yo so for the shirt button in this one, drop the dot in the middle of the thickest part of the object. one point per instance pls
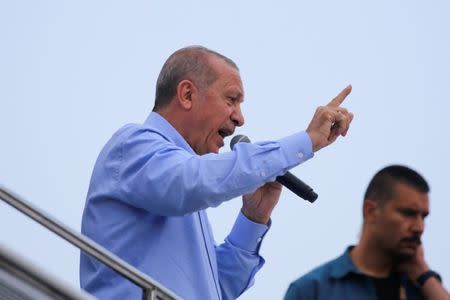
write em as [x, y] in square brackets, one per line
[259, 240]
[263, 173]
[300, 155]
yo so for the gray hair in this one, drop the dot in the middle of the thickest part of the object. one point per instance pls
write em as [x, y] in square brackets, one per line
[189, 63]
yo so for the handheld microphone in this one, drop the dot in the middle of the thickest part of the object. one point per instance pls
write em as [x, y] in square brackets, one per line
[289, 180]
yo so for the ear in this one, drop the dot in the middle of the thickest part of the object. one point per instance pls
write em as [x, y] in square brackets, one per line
[185, 92]
[370, 210]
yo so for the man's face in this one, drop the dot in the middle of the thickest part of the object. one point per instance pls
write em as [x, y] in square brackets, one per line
[218, 109]
[399, 223]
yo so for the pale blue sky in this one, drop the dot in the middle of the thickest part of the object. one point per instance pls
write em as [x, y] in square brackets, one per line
[72, 72]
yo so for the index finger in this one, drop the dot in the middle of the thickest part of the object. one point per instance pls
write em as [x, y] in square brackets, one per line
[340, 97]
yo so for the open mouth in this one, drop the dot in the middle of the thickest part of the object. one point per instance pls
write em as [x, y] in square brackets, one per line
[224, 132]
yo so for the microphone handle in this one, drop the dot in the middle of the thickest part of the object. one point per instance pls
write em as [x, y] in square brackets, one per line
[297, 186]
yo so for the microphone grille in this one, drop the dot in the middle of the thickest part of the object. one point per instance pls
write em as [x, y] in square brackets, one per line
[240, 138]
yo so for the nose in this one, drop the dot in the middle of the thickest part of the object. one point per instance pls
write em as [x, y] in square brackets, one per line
[236, 116]
[419, 225]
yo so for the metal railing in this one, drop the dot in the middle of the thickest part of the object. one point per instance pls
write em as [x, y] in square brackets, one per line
[151, 289]
[22, 280]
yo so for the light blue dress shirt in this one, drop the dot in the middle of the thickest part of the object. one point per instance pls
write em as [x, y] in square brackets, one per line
[146, 203]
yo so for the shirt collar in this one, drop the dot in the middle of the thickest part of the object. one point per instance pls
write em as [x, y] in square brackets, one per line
[344, 265]
[159, 124]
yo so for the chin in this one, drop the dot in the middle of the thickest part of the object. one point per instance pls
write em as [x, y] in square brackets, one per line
[405, 254]
[214, 148]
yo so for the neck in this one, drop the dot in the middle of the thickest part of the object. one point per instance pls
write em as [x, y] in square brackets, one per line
[370, 260]
[178, 120]
[175, 119]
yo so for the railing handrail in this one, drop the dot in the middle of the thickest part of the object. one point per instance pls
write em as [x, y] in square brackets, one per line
[151, 288]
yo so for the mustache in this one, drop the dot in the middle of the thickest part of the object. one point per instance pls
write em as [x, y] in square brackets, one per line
[414, 239]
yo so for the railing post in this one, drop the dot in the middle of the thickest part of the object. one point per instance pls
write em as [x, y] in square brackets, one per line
[151, 288]
[148, 294]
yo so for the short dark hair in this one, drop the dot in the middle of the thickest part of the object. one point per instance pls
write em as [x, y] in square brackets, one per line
[381, 187]
[190, 63]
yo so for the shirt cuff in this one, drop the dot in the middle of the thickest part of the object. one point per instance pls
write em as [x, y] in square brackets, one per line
[246, 234]
[297, 147]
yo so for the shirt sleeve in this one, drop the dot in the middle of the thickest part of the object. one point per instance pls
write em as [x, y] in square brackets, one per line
[152, 173]
[238, 257]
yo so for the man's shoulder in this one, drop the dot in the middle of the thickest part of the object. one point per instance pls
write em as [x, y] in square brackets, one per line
[318, 274]
[313, 283]
[129, 137]
[132, 131]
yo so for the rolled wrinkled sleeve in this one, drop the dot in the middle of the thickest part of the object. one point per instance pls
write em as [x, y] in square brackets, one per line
[238, 257]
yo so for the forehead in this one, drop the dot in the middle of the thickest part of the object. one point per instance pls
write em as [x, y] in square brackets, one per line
[227, 75]
[408, 197]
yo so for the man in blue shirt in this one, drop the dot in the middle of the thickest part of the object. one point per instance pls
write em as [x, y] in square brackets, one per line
[152, 183]
[388, 262]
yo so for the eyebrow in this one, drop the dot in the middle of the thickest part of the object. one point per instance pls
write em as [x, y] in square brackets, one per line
[414, 210]
[236, 92]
